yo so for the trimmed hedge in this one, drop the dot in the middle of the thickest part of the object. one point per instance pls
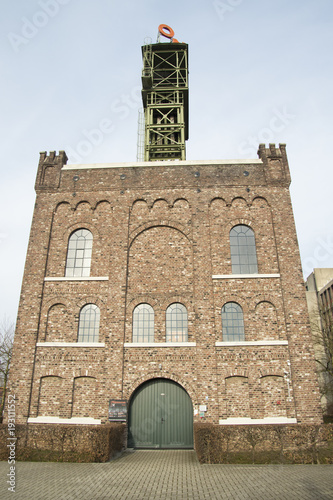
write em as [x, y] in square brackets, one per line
[264, 444]
[64, 443]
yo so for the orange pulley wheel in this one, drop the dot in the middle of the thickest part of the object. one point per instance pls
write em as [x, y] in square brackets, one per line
[169, 34]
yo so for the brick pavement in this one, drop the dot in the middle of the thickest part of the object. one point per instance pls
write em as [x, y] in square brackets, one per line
[171, 474]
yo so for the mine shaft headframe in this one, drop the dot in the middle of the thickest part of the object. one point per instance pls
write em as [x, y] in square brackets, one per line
[165, 97]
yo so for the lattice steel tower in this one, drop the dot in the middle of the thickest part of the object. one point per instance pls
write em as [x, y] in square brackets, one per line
[165, 98]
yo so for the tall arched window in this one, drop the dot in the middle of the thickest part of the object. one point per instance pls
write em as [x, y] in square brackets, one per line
[176, 323]
[232, 322]
[243, 250]
[89, 323]
[79, 253]
[143, 323]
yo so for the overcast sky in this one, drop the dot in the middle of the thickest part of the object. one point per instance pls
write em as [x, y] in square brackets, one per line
[260, 71]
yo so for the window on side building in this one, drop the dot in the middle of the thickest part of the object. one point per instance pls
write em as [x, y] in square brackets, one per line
[143, 323]
[89, 323]
[232, 323]
[243, 250]
[79, 251]
[176, 323]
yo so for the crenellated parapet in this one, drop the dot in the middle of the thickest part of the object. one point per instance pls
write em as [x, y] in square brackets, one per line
[276, 163]
[49, 169]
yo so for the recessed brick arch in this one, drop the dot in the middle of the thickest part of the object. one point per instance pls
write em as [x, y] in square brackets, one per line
[80, 225]
[270, 372]
[140, 208]
[157, 256]
[144, 299]
[218, 201]
[84, 394]
[161, 203]
[90, 372]
[258, 201]
[92, 299]
[234, 298]
[63, 207]
[102, 202]
[46, 307]
[160, 374]
[235, 372]
[50, 395]
[239, 201]
[83, 204]
[58, 323]
[237, 394]
[244, 222]
[176, 299]
[183, 201]
[159, 223]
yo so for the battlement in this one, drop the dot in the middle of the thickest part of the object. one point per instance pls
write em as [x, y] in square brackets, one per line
[276, 162]
[49, 169]
[272, 151]
[53, 157]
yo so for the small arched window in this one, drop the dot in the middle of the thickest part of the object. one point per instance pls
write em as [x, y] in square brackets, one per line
[143, 323]
[79, 253]
[89, 323]
[243, 250]
[232, 322]
[176, 323]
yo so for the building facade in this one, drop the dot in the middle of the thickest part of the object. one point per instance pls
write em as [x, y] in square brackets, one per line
[171, 287]
[114, 247]
[319, 295]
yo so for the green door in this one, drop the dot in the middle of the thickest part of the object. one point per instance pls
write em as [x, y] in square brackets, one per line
[160, 416]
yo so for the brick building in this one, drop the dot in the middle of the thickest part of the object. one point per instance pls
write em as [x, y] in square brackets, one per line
[174, 286]
[319, 295]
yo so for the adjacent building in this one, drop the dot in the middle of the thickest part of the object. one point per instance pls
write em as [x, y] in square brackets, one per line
[319, 296]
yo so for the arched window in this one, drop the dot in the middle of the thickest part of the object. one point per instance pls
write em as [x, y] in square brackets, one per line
[79, 253]
[232, 322]
[243, 250]
[176, 323]
[89, 323]
[143, 323]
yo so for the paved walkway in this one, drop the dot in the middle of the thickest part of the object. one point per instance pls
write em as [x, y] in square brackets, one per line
[162, 475]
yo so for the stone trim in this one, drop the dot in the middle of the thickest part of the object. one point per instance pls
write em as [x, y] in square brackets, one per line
[160, 344]
[243, 276]
[251, 342]
[58, 420]
[170, 163]
[70, 344]
[77, 278]
[257, 421]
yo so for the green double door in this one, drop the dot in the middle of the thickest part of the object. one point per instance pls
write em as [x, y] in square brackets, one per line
[160, 416]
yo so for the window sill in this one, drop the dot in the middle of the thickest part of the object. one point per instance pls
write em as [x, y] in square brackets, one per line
[70, 344]
[160, 344]
[251, 342]
[243, 276]
[77, 278]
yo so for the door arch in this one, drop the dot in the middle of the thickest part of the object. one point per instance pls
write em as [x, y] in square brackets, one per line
[160, 416]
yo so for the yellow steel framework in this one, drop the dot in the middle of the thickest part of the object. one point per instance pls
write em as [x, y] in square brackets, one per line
[165, 100]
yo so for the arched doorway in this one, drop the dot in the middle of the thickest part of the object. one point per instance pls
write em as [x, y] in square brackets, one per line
[160, 416]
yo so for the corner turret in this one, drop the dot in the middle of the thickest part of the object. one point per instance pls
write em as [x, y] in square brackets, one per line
[276, 163]
[49, 168]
